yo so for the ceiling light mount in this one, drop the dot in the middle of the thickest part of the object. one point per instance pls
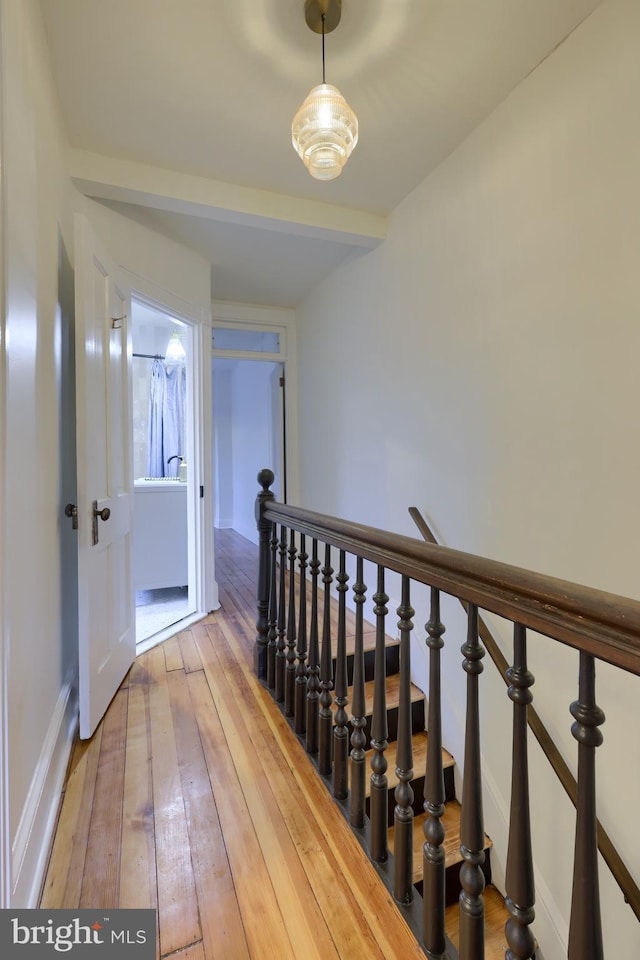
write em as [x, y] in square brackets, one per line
[315, 10]
[324, 131]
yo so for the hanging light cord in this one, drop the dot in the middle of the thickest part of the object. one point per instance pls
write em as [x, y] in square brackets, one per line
[323, 17]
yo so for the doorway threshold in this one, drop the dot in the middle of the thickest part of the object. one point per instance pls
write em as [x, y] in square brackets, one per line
[168, 632]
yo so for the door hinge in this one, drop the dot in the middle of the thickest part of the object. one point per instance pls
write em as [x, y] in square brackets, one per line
[201, 491]
[282, 381]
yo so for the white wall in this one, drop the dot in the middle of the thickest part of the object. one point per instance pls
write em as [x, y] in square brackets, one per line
[40, 664]
[41, 646]
[159, 264]
[482, 364]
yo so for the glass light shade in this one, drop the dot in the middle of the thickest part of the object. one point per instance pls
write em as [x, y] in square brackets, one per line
[324, 132]
[175, 351]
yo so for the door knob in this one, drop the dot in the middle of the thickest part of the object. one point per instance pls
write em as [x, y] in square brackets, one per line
[71, 511]
[103, 514]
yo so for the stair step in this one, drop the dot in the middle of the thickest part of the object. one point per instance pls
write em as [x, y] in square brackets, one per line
[392, 644]
[392, 653]
[451, 823]
[393, 695]
[419, 741]
[495, 917]
[496, 914]
[393, 700]
[368, 639]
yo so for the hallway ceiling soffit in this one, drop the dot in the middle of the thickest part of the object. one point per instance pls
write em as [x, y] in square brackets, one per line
[198, 96]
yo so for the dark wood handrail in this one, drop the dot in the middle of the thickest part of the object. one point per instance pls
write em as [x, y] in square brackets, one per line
[594, 621]
[612, 858]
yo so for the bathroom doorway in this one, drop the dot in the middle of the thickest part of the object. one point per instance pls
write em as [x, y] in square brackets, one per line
[163, 557]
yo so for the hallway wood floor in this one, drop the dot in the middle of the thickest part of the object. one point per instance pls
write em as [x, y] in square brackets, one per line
[194, 797]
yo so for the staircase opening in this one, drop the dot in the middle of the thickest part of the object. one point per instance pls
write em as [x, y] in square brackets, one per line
[345, 686]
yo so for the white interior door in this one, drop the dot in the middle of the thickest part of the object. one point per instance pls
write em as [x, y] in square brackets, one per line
[106, 610]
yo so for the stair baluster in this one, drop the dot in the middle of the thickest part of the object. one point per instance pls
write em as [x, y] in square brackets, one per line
[358, 719]
[273, 611]
[341, 719]
[325, 719]
[290, 666]
[403, 812]
[301, 668]
[313, 681]
[282, 622]
[519, 881]
[472, 820]
[379, 731]
[265, 496]
[433, 855]
[585, 926]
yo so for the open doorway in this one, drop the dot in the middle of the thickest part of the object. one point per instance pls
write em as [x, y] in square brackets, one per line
[163, 542]
[248, 434]
[253, 411]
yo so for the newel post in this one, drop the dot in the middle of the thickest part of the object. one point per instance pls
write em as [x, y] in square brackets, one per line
[265, 496]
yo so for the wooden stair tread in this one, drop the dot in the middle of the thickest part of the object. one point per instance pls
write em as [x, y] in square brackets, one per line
[368, 629]
[368, 641]
[392, 695]
[451, 823]
[419, 742]
[495, 917]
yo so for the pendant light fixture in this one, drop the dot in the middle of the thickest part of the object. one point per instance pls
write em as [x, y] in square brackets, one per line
[175, 352]
[324, 131]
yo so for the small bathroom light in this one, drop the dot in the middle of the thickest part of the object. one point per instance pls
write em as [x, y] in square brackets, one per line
[175, 351]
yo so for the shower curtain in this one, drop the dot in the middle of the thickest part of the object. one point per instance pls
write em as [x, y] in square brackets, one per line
[166, 418]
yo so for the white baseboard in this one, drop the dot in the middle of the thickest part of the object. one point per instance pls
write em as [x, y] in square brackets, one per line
[33, 838]
[220, 524]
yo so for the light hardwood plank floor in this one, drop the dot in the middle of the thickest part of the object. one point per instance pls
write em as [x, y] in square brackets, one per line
[194, 797]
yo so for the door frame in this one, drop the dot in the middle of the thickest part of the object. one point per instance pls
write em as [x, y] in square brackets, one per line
[267, 320]
[5, 832]
[200, 467]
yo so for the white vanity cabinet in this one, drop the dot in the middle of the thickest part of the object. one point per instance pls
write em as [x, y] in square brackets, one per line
[160, 534]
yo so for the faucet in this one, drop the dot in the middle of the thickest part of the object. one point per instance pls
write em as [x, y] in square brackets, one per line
[182, 467]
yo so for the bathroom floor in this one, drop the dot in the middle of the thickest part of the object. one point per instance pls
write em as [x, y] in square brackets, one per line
[158, 609]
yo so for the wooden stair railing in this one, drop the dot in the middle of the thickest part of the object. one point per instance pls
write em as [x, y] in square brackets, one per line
[599, 625]
[612, 858]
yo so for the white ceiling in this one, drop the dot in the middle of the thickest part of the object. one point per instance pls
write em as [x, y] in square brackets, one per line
[179, 111]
